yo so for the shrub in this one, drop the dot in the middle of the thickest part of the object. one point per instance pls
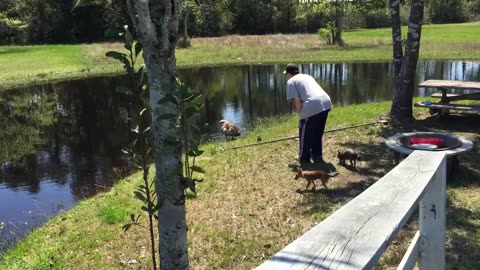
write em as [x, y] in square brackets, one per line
[10, 28]
[184, 42]
[378, 18]
[324, 34]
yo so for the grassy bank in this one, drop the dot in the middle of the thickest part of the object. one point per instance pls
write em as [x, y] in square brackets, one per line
[20, 65]
[248, 206]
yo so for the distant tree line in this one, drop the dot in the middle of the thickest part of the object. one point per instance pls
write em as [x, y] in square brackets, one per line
[53, 21]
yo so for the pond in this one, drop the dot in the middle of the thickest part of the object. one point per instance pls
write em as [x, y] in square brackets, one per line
[61, 142]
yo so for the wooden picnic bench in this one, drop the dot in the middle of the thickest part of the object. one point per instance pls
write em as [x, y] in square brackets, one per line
[445, 98]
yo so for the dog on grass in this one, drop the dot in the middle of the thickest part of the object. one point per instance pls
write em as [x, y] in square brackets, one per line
[348, 154]
[311, 176]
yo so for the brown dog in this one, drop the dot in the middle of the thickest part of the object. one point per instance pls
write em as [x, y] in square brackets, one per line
[311, 176]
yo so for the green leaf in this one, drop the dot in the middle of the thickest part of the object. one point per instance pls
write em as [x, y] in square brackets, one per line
[128, 40]
[172, 140]
[142, 111]
[197, 129]
[138, 48]
[193, 96]
[139, 195]
[168, 98]
[151, 206]
[132, 145]
[146, 130]
[167, 116]
[141, 71]
[152, 185]
[132, 217]
[127, 226]
[121, 57]
[142, 188]
[155, 208]
[176, 171]
[195, 153]
[136, 129]
[191, 184]
[197, 169]
[123, 90]
[191, 110]
[144, 208]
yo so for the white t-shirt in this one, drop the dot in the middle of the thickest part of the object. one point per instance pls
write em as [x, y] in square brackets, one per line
[314, 98]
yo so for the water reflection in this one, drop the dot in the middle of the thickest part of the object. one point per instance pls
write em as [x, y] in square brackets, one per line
[61, 142]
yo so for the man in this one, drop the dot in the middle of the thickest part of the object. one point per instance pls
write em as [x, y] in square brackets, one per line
[313, 105]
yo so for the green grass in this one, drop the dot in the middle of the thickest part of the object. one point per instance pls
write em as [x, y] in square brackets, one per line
[468, 32]
[21, 65]
[248, 208]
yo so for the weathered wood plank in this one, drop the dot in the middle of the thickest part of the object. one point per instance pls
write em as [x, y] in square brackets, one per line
[450, 84]
[432, 222]
[439, 95]
[456, 97]
[458, 107]
[355, 236]
[411, 256]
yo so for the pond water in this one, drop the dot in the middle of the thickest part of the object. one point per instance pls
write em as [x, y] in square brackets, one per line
[61, 142]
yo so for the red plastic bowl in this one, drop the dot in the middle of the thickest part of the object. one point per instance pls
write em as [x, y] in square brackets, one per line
[436, 141]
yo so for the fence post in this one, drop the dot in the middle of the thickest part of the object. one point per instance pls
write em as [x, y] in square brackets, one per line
[432, 221]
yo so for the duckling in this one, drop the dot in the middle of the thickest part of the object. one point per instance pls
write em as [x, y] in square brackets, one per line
[229, 129]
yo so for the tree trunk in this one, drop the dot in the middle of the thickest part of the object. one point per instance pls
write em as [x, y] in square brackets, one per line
[156, 25]
[405, 67]
[338, 23]
[396, 37]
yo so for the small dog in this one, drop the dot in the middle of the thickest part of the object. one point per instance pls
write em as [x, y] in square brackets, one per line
[349, 154]
[311, 176]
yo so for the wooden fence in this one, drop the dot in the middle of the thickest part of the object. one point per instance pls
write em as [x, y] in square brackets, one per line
[357, 235]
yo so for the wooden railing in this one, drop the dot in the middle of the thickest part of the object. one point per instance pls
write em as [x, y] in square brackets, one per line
[357, 235]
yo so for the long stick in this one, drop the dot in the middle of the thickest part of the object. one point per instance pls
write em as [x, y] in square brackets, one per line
[295, 137]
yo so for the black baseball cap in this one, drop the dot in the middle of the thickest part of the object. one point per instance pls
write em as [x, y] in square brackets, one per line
[292, 69]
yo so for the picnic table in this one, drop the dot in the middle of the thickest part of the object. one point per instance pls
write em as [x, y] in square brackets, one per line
[444, 104]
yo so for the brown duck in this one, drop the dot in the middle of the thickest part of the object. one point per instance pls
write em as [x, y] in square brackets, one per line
[229, 129]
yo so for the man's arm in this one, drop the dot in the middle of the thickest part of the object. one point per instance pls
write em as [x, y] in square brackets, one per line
[298, 104]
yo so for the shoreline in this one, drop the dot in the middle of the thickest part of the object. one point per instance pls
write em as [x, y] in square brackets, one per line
[30, 65]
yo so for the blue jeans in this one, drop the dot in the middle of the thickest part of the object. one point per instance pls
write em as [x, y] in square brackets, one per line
[311, 133]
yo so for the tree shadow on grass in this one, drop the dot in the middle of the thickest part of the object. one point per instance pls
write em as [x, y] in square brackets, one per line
[376, 159]
[323, 199]
[14, 50]
[463, 123]
[466, 123]
[463, 239]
